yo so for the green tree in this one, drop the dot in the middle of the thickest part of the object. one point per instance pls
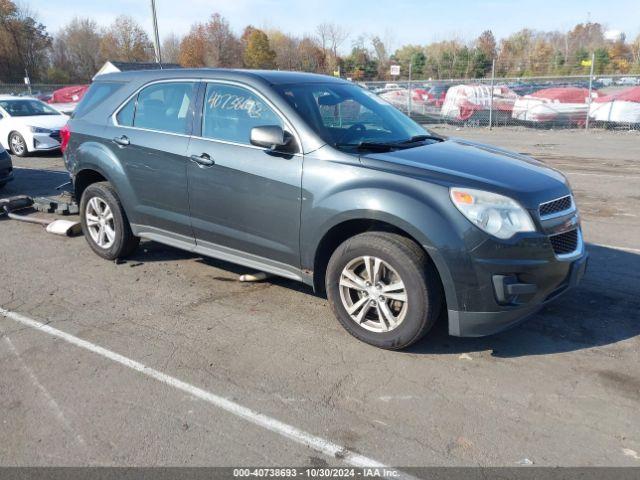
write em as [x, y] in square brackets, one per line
[410, 54]
[359, 65]
[602, 60]
[258, 53]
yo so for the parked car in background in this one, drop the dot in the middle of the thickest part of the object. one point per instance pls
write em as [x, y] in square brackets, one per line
[605, 81]
[6, 167]
[436, 94]
[560, 106]
[628, 81]
[66, 99]
[28, 125]
[315, 179]
[464, 103]
[619, 108]
[400, 98]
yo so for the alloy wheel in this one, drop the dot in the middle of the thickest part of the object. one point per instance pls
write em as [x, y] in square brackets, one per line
[373, 294]
[17, 145]
[100, 222]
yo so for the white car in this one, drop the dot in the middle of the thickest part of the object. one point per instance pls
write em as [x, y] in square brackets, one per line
[28, 125]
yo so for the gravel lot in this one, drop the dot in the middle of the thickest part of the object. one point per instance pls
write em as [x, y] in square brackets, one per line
[561, 389]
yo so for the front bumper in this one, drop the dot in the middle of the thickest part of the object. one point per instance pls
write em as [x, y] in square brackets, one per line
[551, 281]
[46, 141]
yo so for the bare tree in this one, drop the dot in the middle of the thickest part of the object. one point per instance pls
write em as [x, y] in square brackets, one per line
[126, 41]
[76, 49]
[286, 48]
[223, 47]
[331, 36]
[171, 48]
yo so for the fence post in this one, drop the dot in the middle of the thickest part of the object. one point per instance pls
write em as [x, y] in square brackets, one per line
[593, 61]
[493, 77]
[27, 81]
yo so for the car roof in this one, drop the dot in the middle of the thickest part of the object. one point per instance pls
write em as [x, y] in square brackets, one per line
[273, 77]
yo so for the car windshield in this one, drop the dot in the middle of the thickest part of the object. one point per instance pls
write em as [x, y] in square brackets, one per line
[350, 117]
[27, 108]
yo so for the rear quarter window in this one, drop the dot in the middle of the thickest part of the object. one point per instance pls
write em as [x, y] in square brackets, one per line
[97, 93]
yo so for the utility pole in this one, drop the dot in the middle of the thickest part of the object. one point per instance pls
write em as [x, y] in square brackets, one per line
[410, 89]
[593, 61]
[493, 77]
[156, 36]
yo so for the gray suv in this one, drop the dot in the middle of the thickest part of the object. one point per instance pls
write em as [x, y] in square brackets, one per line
[316, 179]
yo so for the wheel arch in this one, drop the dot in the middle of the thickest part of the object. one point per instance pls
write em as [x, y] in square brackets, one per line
[346, 229]
[86, 177]
[92, 162]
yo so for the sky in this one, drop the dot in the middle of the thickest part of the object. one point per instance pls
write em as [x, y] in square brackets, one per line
[398, 21]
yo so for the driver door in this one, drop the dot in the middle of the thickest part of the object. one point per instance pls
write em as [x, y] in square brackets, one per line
[244, 200]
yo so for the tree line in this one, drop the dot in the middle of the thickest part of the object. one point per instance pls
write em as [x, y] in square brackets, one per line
[77, 50]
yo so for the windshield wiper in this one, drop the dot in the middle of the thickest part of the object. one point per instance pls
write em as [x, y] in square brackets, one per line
[386, 146]
[420, 138]
[371, 145]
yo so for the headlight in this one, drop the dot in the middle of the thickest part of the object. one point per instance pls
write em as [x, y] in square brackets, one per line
[40, 130]
[497, 215]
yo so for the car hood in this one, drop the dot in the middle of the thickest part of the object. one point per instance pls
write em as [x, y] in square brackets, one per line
[54, 122]
[457, 162]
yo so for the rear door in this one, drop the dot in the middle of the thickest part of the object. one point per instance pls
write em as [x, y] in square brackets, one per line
[150, 137]
[248, 198]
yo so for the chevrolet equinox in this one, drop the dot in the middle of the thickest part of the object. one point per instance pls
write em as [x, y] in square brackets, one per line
[316, 179]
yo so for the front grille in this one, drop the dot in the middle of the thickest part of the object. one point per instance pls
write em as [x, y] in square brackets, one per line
[565, 243]
[555, 206]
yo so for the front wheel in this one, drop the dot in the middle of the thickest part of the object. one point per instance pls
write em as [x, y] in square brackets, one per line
[17, 145]
[383, 289]
[104, 222]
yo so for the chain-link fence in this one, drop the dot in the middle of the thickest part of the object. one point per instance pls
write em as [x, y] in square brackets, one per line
[611, 101]
[544, 102]
[38, 90]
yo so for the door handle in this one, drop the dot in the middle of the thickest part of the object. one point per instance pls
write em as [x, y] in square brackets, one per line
[203, 160]
[123, 140]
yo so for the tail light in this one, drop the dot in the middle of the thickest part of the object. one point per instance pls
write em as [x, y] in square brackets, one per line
[65, 136]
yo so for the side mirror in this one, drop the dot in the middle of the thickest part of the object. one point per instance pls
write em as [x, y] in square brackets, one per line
[269, 136]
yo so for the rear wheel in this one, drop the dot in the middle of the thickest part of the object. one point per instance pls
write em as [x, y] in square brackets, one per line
[17, 145]
[383, 289]
[104, 222]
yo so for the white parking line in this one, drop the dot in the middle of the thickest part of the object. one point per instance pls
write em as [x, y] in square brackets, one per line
[594, 174]
[319, 444]
[614, 247]
[55, 408]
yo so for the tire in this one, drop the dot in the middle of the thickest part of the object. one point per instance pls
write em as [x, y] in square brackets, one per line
[401, 259]
[17, 145]
[121, 243]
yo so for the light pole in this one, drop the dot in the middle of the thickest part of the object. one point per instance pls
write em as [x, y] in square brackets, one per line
[156, 36]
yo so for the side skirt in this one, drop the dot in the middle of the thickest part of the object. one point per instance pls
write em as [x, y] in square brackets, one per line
[219, 252]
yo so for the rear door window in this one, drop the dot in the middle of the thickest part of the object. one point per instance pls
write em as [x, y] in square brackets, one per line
[164, 107]
[126, 113]
[230, 112]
